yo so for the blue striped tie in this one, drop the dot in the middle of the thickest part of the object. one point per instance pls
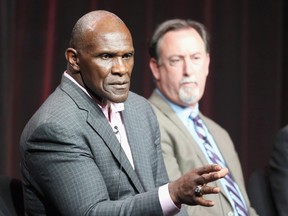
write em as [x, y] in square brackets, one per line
[229, 182]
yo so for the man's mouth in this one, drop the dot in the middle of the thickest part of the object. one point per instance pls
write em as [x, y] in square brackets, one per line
[120, 85]
[189, 84]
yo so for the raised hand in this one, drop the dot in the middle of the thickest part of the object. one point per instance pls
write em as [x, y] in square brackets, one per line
[190, 188]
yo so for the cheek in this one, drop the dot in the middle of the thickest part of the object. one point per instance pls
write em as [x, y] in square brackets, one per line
[174, 81]
[202, 73]
[130, 65]
[202, 82]
[92, 83]
[99, 73]
[171, 77]
[94, 79]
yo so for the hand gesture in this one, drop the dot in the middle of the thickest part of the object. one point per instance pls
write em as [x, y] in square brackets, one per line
[190, 188]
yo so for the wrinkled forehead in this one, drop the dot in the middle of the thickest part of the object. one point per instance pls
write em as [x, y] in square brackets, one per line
[102, 38]
[112, 41]
[98, 25]
[187, 39]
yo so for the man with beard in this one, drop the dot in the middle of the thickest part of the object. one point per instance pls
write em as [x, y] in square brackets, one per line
[179, 61]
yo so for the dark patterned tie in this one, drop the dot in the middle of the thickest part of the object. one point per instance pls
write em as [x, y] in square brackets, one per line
[229, 182]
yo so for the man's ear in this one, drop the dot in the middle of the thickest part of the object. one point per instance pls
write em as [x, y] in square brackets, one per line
[72, 58]
[154, 68]
[207, 64]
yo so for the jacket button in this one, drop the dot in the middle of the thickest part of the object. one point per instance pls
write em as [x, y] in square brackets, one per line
[230, 213]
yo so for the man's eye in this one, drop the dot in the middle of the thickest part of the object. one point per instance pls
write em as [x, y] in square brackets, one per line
[106, 56]
[174, 61]
[128, 55]
[197, 59]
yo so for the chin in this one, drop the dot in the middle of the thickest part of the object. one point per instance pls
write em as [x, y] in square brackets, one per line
[119, 98]
[189, 100]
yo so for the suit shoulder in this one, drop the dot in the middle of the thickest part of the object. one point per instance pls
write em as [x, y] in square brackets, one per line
[283, 132]
[212, 124]
[137, 100]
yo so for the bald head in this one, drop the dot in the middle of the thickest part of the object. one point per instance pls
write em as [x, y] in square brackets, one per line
[95, 22]
[101, 56]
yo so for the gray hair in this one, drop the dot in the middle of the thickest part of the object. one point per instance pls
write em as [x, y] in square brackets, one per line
[175, 25]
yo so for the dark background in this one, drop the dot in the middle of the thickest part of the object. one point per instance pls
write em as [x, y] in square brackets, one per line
[247, 89]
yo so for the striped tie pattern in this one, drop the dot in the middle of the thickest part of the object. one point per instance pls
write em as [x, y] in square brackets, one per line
[230, 184]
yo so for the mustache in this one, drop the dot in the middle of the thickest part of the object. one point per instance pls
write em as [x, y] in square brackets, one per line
[188, 80]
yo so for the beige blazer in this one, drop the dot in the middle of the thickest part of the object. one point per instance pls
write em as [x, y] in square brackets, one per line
[181, 154]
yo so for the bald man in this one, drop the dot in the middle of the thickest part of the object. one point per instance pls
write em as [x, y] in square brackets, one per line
[84, 152]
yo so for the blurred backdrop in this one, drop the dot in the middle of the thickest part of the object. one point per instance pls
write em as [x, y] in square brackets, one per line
[247, 89]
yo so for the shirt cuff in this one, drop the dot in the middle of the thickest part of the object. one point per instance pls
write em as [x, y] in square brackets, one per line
[167, 204]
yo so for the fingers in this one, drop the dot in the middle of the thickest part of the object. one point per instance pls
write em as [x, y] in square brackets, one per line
[201, 191]
[213, 176]
[223, 172]
[183, 189]
[203, 202]
[208, 169]
[209, 173]
[209, 190]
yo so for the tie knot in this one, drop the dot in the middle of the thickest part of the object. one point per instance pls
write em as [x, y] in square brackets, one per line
[195, 118]
[197, 123]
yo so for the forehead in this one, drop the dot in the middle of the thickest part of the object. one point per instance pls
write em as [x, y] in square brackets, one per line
[109, 39]
[182, 40]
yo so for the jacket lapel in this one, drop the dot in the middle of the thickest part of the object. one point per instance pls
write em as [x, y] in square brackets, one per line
[106, 132]
[137, 145]
[223, 150]
[158, 101]
[170, 114]
[97, 120]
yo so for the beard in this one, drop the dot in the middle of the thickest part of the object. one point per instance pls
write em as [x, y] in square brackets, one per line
[189, 95]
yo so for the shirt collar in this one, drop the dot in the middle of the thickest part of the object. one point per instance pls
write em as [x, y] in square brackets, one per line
[185, 112]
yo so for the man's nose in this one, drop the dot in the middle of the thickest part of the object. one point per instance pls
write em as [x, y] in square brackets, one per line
[119, 66]
[188, 67]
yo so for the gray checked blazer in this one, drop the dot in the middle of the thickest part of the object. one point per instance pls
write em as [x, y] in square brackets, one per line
[73, 164]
